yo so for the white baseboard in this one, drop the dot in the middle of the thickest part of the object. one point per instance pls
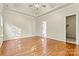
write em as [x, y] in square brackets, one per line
[71, 42]
[18, 37]
[40, 36]
[56, 38]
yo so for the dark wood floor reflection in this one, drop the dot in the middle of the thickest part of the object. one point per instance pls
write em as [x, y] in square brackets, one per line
[33, 46]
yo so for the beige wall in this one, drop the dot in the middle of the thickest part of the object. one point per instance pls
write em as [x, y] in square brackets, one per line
[71, 29]
[56, 22]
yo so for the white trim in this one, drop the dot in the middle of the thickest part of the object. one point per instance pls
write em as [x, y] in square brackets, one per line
[76, 26]
[52, 10]
[54, 38]
[20, 12]
[19, 37]
[1, 40]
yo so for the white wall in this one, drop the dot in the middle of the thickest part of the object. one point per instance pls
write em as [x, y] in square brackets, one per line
[1, 9]
[1, 30]
[56, 22]
[53, 24]
[18, 26]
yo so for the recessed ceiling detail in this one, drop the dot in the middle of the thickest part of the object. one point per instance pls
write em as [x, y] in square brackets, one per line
[34, 9]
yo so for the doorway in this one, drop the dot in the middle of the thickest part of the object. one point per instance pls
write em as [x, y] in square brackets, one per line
[71, 29]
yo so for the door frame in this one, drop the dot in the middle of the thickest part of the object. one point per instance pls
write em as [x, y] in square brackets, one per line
[76, 26]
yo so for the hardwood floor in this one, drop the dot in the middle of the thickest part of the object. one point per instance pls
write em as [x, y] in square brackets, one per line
[32, 46]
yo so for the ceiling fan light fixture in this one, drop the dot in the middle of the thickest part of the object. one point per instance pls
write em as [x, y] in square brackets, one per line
[36, 5]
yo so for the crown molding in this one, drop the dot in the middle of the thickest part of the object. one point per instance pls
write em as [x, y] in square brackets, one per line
[20, 12]
[52, 10]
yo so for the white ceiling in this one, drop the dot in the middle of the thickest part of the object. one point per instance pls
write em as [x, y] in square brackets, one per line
[24, 8]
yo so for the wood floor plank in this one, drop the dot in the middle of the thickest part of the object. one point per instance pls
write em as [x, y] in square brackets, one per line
[33, 46]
